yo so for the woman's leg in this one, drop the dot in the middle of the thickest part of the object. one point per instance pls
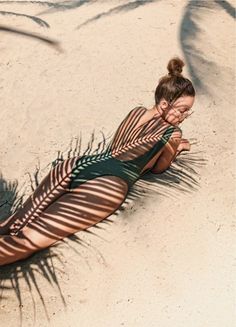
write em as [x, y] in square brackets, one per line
[51, 187]
[73, 211]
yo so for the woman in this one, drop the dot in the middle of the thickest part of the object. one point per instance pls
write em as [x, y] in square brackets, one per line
[81, 191]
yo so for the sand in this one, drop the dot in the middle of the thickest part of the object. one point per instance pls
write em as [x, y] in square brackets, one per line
[167, 259]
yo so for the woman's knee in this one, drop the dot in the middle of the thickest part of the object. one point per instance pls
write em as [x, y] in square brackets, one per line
[14, 248]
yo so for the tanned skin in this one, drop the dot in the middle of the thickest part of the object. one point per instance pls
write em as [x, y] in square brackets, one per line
[55, 211]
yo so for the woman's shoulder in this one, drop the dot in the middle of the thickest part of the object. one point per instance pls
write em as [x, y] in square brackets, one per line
[137, 110]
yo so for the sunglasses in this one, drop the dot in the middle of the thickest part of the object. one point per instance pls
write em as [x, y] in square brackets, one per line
[183, 113]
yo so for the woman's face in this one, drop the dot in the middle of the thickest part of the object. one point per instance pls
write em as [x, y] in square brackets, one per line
[176, 112]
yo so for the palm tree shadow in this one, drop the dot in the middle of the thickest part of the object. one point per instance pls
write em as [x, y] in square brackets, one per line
[53, 7]
[181, 177]
[203, 71]
[227, 7]
[43, 263]
[10, 200]
[69, 5]
[50, 42]
[35, 19]
[116, 10]
[11, 278]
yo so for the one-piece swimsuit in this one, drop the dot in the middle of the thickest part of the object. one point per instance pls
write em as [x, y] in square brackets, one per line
[126, 157]
[129, 151]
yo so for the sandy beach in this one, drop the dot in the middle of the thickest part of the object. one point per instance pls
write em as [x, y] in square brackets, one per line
[167, 257]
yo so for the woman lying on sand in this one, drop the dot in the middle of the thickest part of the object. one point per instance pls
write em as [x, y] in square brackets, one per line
[81, 191]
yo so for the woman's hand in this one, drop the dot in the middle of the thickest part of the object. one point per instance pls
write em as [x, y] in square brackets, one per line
[183, 146]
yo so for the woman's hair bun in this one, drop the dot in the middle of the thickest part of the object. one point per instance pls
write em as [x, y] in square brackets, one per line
[175, 66]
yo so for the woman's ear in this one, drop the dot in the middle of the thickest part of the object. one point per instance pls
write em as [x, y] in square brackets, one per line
[163, 104]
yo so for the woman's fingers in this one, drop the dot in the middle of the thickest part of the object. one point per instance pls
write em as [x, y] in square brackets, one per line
[193, 141]
[184, 145]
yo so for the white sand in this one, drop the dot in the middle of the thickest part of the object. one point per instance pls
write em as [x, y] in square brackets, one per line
[165, 261]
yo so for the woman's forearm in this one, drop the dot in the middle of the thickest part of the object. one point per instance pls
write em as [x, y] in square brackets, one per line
[168, 155]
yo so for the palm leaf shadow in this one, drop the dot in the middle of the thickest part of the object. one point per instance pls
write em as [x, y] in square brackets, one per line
[24, 2]
[35, 19]
[31, 35]
[181, 177]
[204, 72]
[45, 262]
[227, 7]
[53, 6]
[10, 198]
[42, 263]
[116, 10]
[70, 5]
[65, 5]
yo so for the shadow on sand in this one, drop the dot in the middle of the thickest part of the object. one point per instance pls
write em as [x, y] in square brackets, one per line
[53, 43]
[193, 39]
[181, 177]
[190, 31]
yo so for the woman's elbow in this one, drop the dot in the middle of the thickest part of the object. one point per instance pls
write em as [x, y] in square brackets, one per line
[160, 168]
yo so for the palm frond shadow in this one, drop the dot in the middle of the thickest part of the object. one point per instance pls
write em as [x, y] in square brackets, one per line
[181, 177]
[116, 10]
[10, 198]
[65, 5]
[227, 7]
[35, 19]
[42, 263]
[31, 35]
[191, 34]
[52, 7]
[25, 2]
[70, 5]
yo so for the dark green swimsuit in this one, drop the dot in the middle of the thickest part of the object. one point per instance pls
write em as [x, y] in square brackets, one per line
[128, 153]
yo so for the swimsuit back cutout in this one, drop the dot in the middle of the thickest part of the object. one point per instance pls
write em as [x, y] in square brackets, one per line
[129, 151]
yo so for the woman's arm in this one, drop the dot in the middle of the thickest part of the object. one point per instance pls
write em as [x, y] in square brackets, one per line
[171, 150]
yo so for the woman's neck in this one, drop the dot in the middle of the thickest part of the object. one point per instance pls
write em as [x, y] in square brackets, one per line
[156, 111]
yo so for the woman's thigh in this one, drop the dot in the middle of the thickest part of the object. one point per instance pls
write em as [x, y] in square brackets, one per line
[76, 210]
[54, 184]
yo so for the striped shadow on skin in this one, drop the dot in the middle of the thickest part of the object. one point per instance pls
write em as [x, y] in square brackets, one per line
[14, 277]
[181, 177]
[46, 262]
